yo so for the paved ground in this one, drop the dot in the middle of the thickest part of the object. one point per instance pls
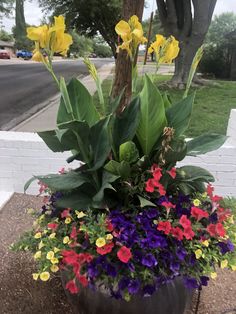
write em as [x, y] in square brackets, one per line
[19, 294]
[25, 84]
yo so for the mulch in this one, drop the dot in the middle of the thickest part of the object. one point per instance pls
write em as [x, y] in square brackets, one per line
[20, 294]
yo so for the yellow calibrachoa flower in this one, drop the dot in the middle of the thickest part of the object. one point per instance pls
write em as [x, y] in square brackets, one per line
[35, 276]
[66, 240]
[205, 243]
[198, 253]
[37, 255]
[50, 255]
[224, 264]
[38, 235]
[52, 235]
[44, 276]
[233, 267]
[170, 50]
[213, 275]
[131, 33]
[54, 268]
[109, 236]
[80, 214]
[204, 194]
[196, 202]
[100, 242]
[68, 220]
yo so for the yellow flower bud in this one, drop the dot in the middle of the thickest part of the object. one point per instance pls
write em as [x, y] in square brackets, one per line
[198, 253]
[54, 260]
[41, 244]
[37, 255]
[50, 255]
[35, 276]
[56, 250]
[66, 240]
[80, 214]
[68, 220]
[54, 268]
[52, 235]
[100, 242]
[38, 235]
[224, 264]
[233, 267]
[204, 194]
[44, 276]
[213, 275]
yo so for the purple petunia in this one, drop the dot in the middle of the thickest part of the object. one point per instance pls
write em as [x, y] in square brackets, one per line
[134, 286]
[149, 260]
[226, 247]
[191, 283]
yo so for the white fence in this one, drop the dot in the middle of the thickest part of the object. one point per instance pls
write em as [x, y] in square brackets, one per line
[25, 154]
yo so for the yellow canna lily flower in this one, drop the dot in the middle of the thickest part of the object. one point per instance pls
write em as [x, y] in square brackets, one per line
[170, 50]
[157, 45]
[131, 33]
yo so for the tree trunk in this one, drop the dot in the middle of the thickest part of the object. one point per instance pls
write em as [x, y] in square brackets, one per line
[189, 22]
[123, 75]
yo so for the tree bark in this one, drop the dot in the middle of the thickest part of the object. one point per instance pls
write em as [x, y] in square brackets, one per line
[123, 75]
[188, 21]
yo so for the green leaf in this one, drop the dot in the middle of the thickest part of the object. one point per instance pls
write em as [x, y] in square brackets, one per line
[177, 151]
[114, 103]
[65, 97]
[166, 100]
[28, 183]
[178, 116]
[81, 102]
[128, 152]
[120, 169]
[106, 180]
[205, 143]
[62, 182]
[152, 118]
[144, 202]
[75, 201]
[192, 173]
[100, 143]
[59, 140]
[125, 125]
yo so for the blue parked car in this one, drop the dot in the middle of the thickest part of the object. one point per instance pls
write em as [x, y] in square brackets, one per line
[24, 54]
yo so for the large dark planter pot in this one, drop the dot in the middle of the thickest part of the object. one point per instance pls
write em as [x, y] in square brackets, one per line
[172, 298]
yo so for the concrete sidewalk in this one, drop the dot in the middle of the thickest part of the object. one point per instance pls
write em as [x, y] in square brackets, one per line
[45, 119]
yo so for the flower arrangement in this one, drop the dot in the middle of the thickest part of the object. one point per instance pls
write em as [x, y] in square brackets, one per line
[128, 219]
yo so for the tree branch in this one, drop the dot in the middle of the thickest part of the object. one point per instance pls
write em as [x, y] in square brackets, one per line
[162, 11]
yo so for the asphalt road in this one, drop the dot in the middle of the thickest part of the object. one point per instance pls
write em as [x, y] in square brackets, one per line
[25, 85]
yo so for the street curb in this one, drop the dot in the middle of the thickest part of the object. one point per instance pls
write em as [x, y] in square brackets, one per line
[4, 198]
[37, 110]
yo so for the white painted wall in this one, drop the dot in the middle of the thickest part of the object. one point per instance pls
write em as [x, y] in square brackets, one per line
[25, 154]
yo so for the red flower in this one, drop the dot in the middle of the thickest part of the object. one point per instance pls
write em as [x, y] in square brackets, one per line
[88, 257]
[71, 286]
[198, 213]
[150, 186]
[177, 233]
[185, 222]
[161, 189]
[172, 173]
[157, 174]
[188, 233]
[154, 167]
[62, 170]
[73, 234]
[164, 226]
[124, 254]
[211, 229]
[220, 230]
[76, 269]
[216, 198]
[210, 190]
[223, 214]
[70, 257]
[52, 226]
[167, 205]
[109, 226]
[105, 249]
[65, 213]
[83, 280]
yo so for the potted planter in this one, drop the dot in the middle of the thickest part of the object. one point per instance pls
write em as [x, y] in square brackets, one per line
[129, 230]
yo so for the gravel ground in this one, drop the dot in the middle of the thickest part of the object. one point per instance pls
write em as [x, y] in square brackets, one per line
[20, 294]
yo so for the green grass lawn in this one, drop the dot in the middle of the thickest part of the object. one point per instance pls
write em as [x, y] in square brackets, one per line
[212, 104]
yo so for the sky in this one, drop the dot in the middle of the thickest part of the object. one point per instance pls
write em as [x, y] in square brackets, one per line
[33, 14]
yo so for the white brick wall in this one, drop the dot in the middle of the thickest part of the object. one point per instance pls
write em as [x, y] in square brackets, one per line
[25, 154]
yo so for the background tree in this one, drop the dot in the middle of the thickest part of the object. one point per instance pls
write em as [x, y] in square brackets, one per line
[156, 26]
[188, 21]
[20, 26]
[6, 7]
[123, 77]
[5, 36]
[89, 17]
[218, 48]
